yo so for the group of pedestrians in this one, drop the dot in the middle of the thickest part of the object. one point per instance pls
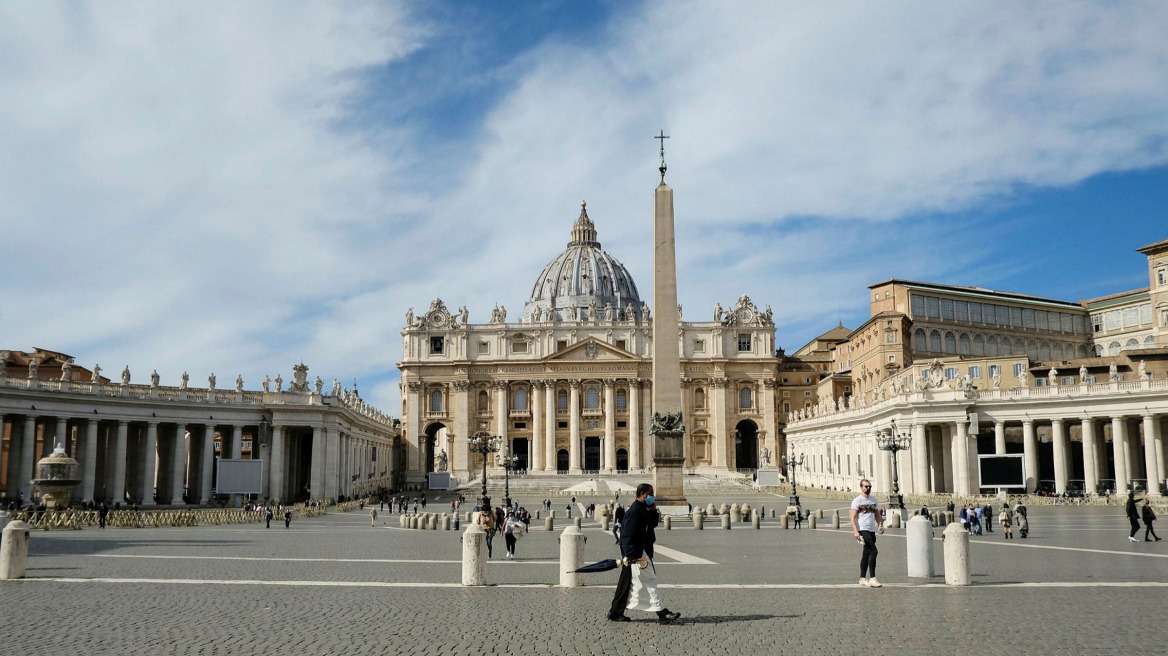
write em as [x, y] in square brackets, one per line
[512, 524]
[1145, 513]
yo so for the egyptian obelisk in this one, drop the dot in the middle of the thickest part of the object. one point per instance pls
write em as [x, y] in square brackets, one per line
[667, 429]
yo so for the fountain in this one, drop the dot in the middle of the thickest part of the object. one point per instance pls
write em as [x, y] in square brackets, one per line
[57, 478]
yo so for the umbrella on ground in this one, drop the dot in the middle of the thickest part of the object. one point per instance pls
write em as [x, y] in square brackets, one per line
[610, 564]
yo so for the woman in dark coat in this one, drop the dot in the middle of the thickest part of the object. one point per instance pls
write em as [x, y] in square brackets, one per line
[1149, 519]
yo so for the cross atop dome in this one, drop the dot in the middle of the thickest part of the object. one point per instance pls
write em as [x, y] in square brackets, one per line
[583, 231]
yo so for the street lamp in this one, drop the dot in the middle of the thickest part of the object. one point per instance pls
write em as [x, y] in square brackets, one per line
[792, 465]
[484, 444]
[509, 461]
[894, 442]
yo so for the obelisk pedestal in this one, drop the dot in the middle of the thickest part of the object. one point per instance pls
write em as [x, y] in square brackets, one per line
[667, 429]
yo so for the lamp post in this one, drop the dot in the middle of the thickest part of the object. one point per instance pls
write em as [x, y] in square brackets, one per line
[894, 442]
[484, 444]
[792, 465]
[508, 462]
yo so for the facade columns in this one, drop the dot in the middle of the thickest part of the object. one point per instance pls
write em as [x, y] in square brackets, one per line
[208, 463]
[536, 460]
[332, 463]
[318, 456]
[609, 427]
[61, 436]
[719, 433]
[237, 442]
[1151, 460]
[1119, 453]
[149, 460]
[999, 437]
[635, 438]
[89, 461]
[574, 427]
[920, 459]
[1058, 437]
[1090, 461]
[28, 457]
[961, 458]
[1030, 454]
[501, 414]
[549, 436]
[179, 470]
[266, 456]
[118, 490]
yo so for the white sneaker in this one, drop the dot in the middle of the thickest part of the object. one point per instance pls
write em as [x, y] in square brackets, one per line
[863, 583]
[873, 583]
[1132, 539]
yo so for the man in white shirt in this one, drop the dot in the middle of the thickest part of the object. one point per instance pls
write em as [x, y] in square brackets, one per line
[867, 520]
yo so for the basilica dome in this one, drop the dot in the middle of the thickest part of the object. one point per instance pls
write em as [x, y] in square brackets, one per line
[583, 282]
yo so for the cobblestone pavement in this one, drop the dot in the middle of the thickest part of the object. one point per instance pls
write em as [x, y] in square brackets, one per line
[336, 585]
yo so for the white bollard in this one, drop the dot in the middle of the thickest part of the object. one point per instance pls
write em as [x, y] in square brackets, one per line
[755, 520]
[919, 551]
[604, 523]
[697, 519]
[474, 555]
[549, 524]
[14, 551]
[668, 523]
[433, 522]
[956, 555]
[571, 556]
[894, 519]
[726, 522]
[835, 519]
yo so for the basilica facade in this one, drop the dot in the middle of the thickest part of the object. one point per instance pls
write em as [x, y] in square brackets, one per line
[567, 383]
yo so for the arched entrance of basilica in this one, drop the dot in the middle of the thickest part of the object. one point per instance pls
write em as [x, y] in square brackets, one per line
[562, 461]
[433, 441]
[746, 445]
[622, 461]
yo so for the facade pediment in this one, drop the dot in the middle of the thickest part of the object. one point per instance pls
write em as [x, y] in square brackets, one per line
[592, 349]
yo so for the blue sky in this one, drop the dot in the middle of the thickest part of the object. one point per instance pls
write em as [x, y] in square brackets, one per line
[236, 187]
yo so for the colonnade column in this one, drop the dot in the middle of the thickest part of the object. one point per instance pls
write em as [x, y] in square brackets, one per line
[118, 487]
[961, 458]
[549, 405]
[999, 438]
[1058, 437]
[149, 459]
[332, 463]
[635, 437]
[276, 472]
[89, 461]
[1030, 454]
[609, 427]
[574, 427]
[536, 461]
[27, 457]
[208, 463]
[1090, 462]
[60, 437]
[1119, 454]
[179, 470]
[237, 442]
[920, 459]
[1152, 460]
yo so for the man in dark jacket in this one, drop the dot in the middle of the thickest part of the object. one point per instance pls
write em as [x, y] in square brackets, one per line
[618, 517]
[637, 586]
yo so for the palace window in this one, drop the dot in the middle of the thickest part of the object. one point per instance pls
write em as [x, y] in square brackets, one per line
[975, 372]
[1019, 368]
[745, 399]
[592, 398]
[437, 345]
[519, 347]
[1164, 317]
[519, 398]
[436, 401]
[743, 343]
[1162, 277]
[484, 404]
[950, 373]
[562, 401]
[699, 346]
[561, 344]
[622, 345]
[622, 400]
[995, 370]
[700, 399]
[484, 348]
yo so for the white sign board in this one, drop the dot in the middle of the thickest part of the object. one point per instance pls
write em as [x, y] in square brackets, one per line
[240, 477]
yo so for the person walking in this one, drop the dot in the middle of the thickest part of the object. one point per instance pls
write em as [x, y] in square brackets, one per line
[102, 514]
[867, 520]
[287, 518]
[618, 517]
[373, 517]
[1006, 521]
[988, 514]
[636, 589]
[268, 517]
[1133, 516]
[1021, 514]
[486, 519]
[509, 528]
[798, 517]
[1149, 517]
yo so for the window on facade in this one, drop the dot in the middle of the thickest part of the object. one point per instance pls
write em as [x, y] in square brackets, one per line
[1162, 277]
[1040, 382]
[700, 399]
[622, 400]
[807, 380]
[1164, 317]
[1067, 380]
[892, 358]
[1113, 320]
[745, 399]
[622, 424]
[484, 401]
[1113, 348]
[520, 425]
[437, 345]
[995, 370]
[622, 345]
[592, 398]
[484, 348]
[1097, 323]
[1145, 314]
[519, 398]
[807, 393]
[950, 343]
[917, 305]
[436, 401]
[935, 342]
[561, 344]
[963, 346]
[1132, 343]
[519, 347]
[946, 309]
[561, 424]
[743, 343]
[950, 373]
[975, 312]
[890, 337]
[1018, 368]
[699, 346]
[786, 393]
[961, 311]
[975, 372]
[562, 401]
[786, 407]
[1131, 317]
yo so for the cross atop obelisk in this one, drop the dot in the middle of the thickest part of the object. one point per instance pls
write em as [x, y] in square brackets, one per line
[667, 429]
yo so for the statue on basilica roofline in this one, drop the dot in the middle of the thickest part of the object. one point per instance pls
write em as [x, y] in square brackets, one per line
[644, 313]
[211, 382]
[1022, 377]
[318, 385]
[279, 383]
[96, 375]
[1113, 373]
[154, 378]
[186, 378]
[717, 313]
[239, 383]
[608, 312]
[33, 366]
[66, 370]
[1143, 370]
[629, 312]
[126, 375]
[464, 315]
[267, 383]
[1083, 374]
[1052, 377]
[410, 318]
